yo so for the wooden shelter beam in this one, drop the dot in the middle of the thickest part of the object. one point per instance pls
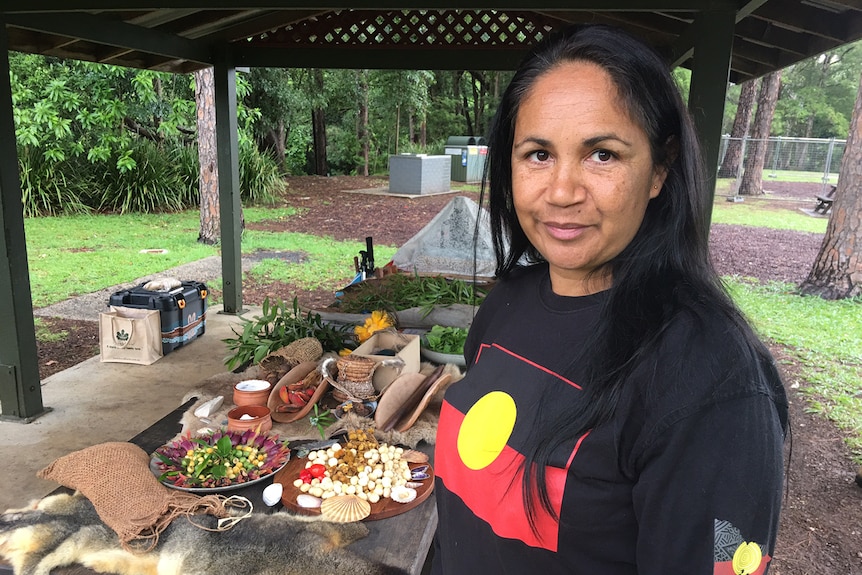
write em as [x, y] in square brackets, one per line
[230, 207]
[712, 54]
[114, 33]
[20, 391]
[114, 5]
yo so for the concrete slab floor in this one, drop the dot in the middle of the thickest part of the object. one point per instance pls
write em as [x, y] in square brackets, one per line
[95, 402]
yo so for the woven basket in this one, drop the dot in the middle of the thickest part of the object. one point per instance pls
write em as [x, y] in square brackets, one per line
[354, 379]
[282, 360]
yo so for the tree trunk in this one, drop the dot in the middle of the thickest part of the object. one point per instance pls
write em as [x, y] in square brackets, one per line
[733, 154]
[837, 271]
[210, 225]
[318, 128]
[752, 176]
[362, 131]
[280, 139]
[397, 126]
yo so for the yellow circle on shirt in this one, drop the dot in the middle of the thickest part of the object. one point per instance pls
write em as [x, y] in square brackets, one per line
[486, 429]
[747, 558]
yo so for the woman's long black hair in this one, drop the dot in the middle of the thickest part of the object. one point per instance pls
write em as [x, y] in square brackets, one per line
[666, 267]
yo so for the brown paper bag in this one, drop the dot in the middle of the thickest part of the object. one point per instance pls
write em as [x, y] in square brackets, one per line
[130, 335]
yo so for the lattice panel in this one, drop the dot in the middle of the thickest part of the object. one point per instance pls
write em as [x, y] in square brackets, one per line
[426, 28]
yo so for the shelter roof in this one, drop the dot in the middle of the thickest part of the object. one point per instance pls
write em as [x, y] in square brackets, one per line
[481, 34]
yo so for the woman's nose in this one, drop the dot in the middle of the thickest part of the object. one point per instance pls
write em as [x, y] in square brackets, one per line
[567, 185]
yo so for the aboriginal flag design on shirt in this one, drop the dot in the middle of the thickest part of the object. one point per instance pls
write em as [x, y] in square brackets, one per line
[485, 421]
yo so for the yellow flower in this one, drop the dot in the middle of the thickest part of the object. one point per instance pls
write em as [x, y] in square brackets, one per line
[377, 321]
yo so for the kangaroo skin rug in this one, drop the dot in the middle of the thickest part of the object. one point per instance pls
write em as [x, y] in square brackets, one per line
[61, 530]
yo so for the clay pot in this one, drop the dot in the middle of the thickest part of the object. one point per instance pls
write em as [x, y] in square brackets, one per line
[251, 392]
[256, 417]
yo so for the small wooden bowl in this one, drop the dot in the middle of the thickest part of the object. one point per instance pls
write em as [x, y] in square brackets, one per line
[259, 418]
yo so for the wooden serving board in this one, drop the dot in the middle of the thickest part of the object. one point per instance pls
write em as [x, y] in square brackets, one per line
[380, 510]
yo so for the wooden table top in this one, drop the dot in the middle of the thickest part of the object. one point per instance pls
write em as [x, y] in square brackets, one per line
[387, 538]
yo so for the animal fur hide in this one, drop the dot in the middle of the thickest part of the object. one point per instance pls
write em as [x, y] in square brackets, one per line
[62, 530]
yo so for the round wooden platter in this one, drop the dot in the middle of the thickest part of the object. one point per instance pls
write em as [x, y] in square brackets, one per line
[380, 510]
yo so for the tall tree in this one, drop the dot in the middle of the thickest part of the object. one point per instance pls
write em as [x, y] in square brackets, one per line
[733, 155]
[210, 224]
[837, 271]
[752, 176]
[318, 126]
[362, 121]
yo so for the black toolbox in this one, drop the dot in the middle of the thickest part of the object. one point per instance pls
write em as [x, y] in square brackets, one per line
[182, 310]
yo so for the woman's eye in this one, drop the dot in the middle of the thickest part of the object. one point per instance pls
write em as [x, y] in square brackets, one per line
[541, 156]
[602, 156]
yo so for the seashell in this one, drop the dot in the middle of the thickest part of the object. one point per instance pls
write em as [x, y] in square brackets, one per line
[420, 476]
[402, 494]
[413, 484]
[272, 494]
[345, 509]
[419, 469]
[414, 456]
[308, 501]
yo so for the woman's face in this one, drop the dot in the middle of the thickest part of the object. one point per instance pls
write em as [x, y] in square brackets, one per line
[582, 174]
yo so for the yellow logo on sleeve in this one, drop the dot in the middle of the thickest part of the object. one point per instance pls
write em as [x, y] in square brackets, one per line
[747, 558]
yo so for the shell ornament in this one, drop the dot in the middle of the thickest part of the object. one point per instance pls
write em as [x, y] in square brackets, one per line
[345, 509]
[402, 494]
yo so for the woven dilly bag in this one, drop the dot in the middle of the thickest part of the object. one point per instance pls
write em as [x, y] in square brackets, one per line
[353, 377]
[277, 363]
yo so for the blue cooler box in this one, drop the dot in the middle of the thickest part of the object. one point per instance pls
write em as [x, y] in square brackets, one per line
[183, 310]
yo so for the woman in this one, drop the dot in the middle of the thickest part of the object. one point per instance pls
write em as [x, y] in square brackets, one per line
[618, 415]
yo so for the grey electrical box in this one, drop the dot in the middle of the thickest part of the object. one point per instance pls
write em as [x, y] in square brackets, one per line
[419, 174]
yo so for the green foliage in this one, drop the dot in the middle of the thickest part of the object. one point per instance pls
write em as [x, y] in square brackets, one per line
[402, 291]
[49, 186]
[444, 339]
[155, 184]
[125, 147]
[278, 326]
[259, 176]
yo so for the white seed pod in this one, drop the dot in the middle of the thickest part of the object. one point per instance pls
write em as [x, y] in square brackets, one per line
[305, 487]
[298, 483]
[332, 462]
[373, 497]
[386, 492]
[335, 447]
[388, 473]
[386, 482]
[350, 490]
[316, 491]
[315, 481]
[363, 481]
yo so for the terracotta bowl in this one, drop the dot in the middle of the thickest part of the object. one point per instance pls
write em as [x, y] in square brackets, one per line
[251, 392]
[245, 417]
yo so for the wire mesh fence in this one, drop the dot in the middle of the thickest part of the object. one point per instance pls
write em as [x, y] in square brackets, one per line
[793, 159]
